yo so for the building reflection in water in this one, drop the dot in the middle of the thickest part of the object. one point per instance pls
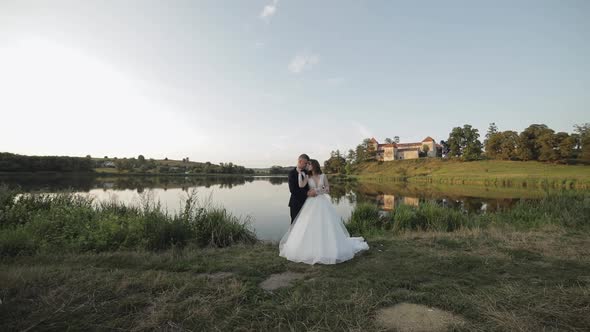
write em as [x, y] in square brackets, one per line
[388, 202]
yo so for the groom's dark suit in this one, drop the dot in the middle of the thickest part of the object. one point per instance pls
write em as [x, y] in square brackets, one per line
[298, 195]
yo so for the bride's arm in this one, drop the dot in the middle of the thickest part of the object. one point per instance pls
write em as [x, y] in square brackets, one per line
[326, 188]
[302, 179]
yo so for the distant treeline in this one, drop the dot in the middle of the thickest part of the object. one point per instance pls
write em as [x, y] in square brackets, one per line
[275, 170]
[10, 162]
[142, 165]
[536, 142]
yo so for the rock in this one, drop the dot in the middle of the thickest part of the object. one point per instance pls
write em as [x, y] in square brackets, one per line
[216, 275]
[280, 280]
[406, 317]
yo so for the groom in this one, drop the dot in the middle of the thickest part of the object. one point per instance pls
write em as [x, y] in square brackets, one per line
[298, 195]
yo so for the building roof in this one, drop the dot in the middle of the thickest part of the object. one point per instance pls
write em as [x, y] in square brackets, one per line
[428, 139]
[405, 145]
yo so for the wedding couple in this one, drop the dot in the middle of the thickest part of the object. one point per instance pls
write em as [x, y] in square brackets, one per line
[317, 234]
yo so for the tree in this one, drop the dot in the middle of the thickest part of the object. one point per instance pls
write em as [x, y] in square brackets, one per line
[565, 145]
[473, 147]
[396, 139]
[141, 159]
[583, 141]
[455, 142]
[276, 170]
[493, 145]
[546, 144]
[492, 129]
[370, 151]
[444, 148]
[464, 142]
[508, 145]
[388, 140]
[348, 168]
[335, 164]
[350, 156]
[529, 145]
[365, 151]
[360, 154]
[424, 151]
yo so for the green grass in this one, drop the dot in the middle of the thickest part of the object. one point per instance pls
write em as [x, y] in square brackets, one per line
[497, 281]
[38, 223]
[524, 269]
[436, 190]
[488, 173]
[568, 210]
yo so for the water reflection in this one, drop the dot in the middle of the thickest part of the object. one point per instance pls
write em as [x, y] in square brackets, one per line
[61, 182]
[265, 198]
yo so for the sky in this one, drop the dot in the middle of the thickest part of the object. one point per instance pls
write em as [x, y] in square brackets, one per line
[258, 83]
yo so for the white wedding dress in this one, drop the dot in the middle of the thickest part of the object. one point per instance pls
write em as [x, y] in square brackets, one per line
[317, 234]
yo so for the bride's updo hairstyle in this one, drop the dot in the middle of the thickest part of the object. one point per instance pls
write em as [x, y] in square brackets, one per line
[315, 167]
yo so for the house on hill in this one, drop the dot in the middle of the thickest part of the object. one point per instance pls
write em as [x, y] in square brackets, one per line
[399, 151]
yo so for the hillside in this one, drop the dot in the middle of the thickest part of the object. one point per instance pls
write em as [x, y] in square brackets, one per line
[487, 172]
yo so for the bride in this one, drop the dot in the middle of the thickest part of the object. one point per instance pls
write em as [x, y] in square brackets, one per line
[317, 234]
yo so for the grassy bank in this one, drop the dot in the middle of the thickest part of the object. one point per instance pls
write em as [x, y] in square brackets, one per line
[496, 281]
[45, 223]
[524, 269]
[569, 211]
[434, 190]
[488, 173]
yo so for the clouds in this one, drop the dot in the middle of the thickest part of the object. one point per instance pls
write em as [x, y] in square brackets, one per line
[269, 10]
[303, 61]
[362, 130]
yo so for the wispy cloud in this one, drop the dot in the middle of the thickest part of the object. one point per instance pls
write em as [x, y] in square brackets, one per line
[269, 10]
[303, 61]
[362, 130]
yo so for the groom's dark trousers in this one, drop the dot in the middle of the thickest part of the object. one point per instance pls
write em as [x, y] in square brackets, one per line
[298, 195]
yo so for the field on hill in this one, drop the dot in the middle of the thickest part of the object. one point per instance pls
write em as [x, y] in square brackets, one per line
[488, 172]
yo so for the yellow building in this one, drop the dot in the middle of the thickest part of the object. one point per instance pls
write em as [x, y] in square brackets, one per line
[399, 151]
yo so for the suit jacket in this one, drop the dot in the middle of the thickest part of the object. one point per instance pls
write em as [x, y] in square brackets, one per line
[298, 195]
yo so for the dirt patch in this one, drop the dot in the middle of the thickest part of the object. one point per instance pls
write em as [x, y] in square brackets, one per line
[216, 275]
[279, 280]
[406, 317]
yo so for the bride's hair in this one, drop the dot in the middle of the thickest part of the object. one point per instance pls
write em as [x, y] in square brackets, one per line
[315, 166]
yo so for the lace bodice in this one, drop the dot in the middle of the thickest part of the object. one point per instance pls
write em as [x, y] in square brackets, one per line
[322, 187]
[313, 185]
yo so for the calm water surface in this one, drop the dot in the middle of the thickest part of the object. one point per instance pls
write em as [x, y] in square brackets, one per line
[264, 199]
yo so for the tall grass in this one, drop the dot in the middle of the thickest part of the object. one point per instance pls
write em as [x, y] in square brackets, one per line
[568, 210]
[31, 223]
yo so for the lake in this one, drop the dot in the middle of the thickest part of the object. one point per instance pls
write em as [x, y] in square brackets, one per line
[264, 199]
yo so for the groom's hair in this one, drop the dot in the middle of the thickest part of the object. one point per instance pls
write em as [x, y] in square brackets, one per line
[304, 156]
